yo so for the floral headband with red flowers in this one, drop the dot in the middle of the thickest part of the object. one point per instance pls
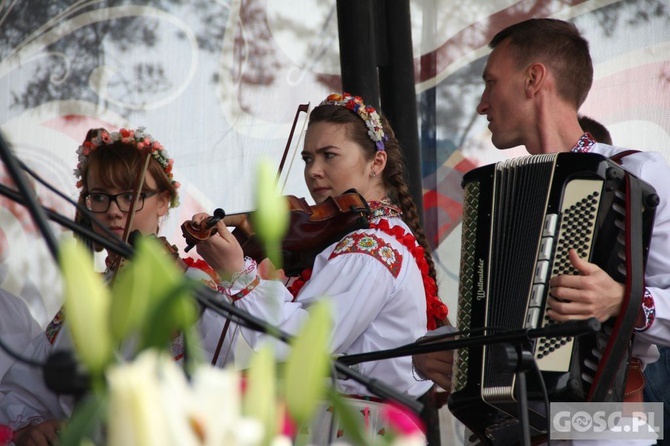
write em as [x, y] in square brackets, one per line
[138, 138]
[368, 114]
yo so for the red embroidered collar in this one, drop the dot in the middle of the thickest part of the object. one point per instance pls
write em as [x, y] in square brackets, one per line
[383, 209]
[584, 144]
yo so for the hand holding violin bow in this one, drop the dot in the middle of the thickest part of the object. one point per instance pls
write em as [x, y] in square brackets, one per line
[215, 243]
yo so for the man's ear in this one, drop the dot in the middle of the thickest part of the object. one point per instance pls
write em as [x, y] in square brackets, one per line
[536, 76]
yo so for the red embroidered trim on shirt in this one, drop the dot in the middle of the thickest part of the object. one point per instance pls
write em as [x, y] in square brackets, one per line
[240, 294]
[371, 245]
[202, 266]
[54, 326]
[436, 310]
[648, 311]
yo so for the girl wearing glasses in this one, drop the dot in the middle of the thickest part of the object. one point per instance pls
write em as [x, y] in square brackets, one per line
[107, 173]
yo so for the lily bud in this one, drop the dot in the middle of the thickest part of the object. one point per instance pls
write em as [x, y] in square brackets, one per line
[271, 218]
[87, 302]
[309, 363]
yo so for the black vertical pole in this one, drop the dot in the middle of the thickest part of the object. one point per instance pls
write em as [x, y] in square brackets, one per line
[377, 63]
[398, 93]
[358, 40]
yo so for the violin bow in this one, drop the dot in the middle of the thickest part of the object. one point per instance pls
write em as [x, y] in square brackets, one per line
[133, 207]
[301, 108]
[219, 213]
[224, 330]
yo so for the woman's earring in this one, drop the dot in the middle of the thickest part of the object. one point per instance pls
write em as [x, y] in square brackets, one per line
[373, 174]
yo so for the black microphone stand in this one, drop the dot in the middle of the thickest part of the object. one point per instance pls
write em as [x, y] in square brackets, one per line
[117, 247]
[515, 354]
[570, 328]
[36, 211]
[212, 300]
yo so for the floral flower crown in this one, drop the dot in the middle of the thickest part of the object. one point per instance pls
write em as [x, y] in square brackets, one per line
[368, 114]
[138, 138]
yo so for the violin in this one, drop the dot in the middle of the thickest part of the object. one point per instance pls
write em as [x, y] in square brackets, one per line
[311, 229]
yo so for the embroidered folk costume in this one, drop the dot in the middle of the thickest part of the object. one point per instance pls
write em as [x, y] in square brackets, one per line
[24, 397]
[377, 280]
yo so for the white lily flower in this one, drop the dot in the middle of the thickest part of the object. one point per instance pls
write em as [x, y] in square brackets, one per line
[152, 403]
[136, 412]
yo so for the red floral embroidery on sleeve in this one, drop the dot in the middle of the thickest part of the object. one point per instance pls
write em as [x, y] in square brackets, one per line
[373, 246]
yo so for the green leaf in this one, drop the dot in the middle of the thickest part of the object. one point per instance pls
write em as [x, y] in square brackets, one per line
[152, 296]
[87, 303]
[271, 217]
[349, 421]
[309, 363]
[86, 422]
[193, 347]
[130, 302]
[173, 314]
[261, 392]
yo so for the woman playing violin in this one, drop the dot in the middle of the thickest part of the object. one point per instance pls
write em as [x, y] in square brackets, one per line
[108, 170]
[381, 280]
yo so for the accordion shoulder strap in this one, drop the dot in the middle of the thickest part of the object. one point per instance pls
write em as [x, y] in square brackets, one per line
[617, 157]
[634, 287]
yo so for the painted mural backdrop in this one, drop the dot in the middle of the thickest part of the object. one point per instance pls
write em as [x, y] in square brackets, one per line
[218, 83]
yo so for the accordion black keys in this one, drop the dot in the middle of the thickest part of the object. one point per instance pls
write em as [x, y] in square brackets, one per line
[520, 219]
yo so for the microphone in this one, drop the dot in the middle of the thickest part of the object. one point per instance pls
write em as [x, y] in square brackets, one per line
[566, 329]
[63, 374]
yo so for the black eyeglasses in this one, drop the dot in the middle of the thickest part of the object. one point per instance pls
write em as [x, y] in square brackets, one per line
[98, 202]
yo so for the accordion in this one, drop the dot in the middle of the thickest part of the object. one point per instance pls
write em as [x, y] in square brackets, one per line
[520, 219]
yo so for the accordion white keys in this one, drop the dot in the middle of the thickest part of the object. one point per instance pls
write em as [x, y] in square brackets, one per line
[520, 219]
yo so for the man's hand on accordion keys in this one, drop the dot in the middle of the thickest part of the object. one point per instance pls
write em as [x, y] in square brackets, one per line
[592, 293]
[435, 366]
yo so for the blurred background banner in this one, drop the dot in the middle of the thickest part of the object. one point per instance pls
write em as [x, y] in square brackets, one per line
[218, 84]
